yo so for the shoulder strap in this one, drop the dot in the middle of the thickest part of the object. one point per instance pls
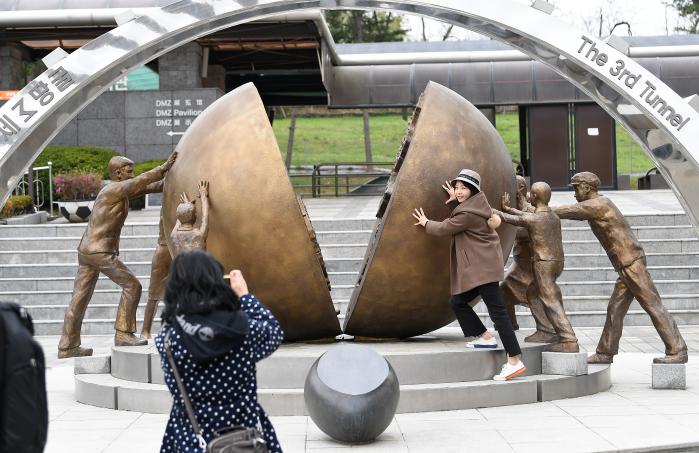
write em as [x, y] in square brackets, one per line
[183, 391]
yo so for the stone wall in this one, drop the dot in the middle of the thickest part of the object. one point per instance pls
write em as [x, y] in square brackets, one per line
[141, 125]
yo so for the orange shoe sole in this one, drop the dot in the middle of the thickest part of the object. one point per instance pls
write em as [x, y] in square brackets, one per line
[516, 373]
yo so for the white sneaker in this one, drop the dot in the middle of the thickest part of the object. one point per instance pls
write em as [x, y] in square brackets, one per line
[510, 371]
[480, 343]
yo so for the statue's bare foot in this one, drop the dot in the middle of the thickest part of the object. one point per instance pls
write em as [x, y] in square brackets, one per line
[600, 358]
[566, 346]
[680, 357]
[128, 339]
[541, 337]
[77, 351]
[146, 335]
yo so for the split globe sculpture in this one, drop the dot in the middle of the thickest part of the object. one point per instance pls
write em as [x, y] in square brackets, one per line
[257, 223]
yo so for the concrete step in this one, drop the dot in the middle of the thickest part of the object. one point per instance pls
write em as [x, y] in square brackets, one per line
[585, 288]
[343, 250]
[649, 246]
[320, 225]
[61, 269]
[436, 373]
[72, 230]
[641, 232]
[596, 318]
[67, 256]
[578, 274]
[653, 259]
[90, 326]
[94, 311]
[70, 243]
[145, 254]
[42, 283]
[343, 264]
[640, 220]
[343, 237]
[343, 278]
[574, 304]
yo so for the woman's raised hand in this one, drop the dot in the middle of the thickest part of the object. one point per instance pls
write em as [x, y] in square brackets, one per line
[450, 190]
[420, 216]
[238, 284]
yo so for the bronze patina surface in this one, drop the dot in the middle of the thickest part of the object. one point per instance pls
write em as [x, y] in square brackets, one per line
[256, 223]
[185, 236]
[629, 260]
[544, 228]
[404, 283]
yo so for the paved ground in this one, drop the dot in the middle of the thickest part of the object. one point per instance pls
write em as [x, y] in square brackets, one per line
[630, 416]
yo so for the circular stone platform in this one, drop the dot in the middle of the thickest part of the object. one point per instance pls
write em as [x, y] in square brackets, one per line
[436, 372]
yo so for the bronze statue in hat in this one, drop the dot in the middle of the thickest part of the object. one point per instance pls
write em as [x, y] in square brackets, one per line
[629, 260]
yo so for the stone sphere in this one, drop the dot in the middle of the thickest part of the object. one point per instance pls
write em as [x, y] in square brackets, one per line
[351, 393]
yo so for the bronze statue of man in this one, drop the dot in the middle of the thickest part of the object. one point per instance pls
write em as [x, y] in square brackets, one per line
[519, 277]
[184, 235]
[629, 260]
[544, 228]
[159, 268]
[98, 251]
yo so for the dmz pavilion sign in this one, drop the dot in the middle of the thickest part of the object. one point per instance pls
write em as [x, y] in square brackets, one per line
[633, 82]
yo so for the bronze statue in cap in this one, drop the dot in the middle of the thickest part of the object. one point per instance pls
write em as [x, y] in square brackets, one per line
[629, 260]
[544, 228]
[98, 251]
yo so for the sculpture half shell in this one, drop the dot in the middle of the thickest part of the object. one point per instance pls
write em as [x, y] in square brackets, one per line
[257, 224]
[403, 289]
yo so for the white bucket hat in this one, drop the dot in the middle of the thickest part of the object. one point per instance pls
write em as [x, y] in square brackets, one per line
[469, 177]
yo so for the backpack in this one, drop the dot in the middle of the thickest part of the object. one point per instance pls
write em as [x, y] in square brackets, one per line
[24, 411]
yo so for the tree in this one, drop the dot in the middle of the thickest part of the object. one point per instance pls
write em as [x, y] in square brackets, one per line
[365, 26]
[689, 11]
[602, 21]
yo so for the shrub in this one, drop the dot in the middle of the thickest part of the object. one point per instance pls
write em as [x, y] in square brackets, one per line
[142, 167]
[16, 205]
[77, 186]
[72, 159]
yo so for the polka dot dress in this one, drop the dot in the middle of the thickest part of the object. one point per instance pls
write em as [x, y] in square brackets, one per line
[223, 391]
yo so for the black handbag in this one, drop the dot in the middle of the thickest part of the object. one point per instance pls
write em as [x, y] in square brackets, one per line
[234, 439]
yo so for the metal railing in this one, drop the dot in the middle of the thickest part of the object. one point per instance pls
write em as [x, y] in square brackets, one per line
[338, 179]
[39, 200]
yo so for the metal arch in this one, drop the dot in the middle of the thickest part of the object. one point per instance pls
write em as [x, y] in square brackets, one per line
[95, 66]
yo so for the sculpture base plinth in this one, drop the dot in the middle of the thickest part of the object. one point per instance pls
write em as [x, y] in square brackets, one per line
[97, 364]
[670, 376]
[564, 363]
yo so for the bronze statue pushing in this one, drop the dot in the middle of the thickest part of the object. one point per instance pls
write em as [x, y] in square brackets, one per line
[627, 256]
[98, 251]
[184, 236]
[515, 288]
[544, 228]
[159, 268]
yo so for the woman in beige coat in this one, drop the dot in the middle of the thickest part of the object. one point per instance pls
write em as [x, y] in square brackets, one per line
[476, 267]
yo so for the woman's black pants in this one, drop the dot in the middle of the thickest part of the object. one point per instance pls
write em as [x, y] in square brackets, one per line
[471, 324]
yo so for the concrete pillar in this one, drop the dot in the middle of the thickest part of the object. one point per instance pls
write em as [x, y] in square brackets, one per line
[11, 57]
[181, 68]
[216, 77]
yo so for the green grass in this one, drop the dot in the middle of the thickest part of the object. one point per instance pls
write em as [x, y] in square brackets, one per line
[341, 139]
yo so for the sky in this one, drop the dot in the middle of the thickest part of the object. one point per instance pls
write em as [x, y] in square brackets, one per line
[647, 18]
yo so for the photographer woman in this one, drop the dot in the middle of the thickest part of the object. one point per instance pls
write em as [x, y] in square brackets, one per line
[217, 333]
